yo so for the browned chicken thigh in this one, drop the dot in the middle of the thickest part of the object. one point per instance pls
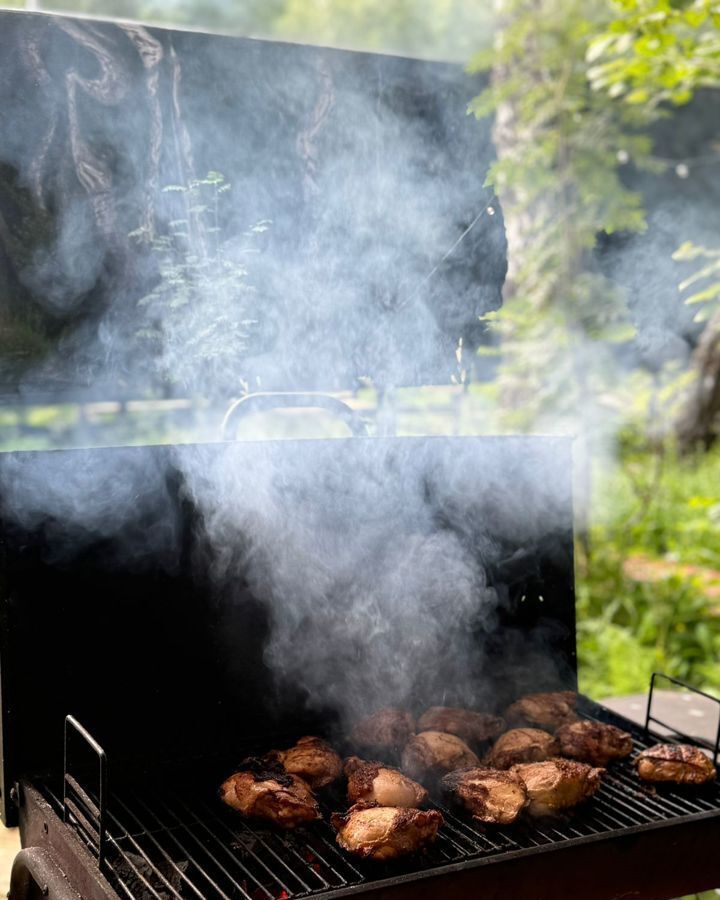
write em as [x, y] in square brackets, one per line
[679, 763]
[313, 759]
[593, 742]
[385, 785]
[385, 832]
[493, 797]
[557, 784]
[268, 793]
[472, 727]
[521, 745]
[384, 732]
[432, 754]
[548, 711]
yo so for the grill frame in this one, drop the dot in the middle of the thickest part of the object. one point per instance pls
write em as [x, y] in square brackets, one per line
[508, 870]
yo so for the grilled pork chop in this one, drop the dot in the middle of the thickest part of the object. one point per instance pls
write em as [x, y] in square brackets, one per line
[432, 754]
[557, 784]
[548, 711]
[385, 832]
[265, 792]
[493, 797]
[679, 763]
[313, 760]
[521, 745]
[375, 782]
[472, 727]
[593, 742]
[384, 732]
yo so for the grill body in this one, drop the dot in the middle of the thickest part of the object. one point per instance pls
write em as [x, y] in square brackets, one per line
[134, 644]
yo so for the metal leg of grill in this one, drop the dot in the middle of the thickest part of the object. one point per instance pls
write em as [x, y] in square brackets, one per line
[36, 875]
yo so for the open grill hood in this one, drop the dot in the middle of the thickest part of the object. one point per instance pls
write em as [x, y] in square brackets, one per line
[359, 173]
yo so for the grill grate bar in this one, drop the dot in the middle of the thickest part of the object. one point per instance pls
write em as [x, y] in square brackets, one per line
[240, 836]
[53, 796]
[246, 874]
[173, 832]
[138, 874]
[154, 867]
[620, 810]
[271, 839]
[330, 866]
[165, 855]
[356, 873]
[682, 806]
[467, 833]
[113, 843]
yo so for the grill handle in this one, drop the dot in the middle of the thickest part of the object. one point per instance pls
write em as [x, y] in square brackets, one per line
[88, 815]
[263, 401]
[650, 718]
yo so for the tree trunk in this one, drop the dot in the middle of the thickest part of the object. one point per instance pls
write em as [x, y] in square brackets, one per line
[698, 424]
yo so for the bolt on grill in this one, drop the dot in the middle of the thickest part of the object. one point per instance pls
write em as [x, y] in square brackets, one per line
[174, 840]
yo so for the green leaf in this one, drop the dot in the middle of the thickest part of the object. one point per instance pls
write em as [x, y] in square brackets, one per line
[706, 272]
[598, 46]
[710, 293]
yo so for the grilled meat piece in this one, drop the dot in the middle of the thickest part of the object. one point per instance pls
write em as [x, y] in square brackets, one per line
[432, 754]
[521, 745]
[313, 759]
[593, 742]
[472, 727]
[548, 711]
[679, 763]
[494, 797]
[375, 782]
[557, 784]
[385, 832]
[264, 791]
[384, 732]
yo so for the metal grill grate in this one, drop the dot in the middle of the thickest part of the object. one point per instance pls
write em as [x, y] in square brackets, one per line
[174, 840]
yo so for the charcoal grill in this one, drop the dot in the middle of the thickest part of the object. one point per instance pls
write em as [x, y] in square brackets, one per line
[132, 646]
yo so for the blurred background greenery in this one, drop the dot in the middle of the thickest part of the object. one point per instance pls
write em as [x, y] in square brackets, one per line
[578, 90]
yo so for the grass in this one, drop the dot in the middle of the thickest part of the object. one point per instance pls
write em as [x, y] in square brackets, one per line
[648, 596]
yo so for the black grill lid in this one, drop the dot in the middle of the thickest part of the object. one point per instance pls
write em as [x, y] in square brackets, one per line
[365, 170]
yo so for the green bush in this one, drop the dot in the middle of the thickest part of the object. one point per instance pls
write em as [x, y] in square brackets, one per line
[665, 511]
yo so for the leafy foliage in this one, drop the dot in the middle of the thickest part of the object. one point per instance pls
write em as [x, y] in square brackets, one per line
[557, 175]
[705, 282]
[629, 626]
[199, 315]
[657, 51]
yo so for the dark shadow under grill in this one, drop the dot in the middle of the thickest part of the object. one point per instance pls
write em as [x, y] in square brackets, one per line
[174, 839]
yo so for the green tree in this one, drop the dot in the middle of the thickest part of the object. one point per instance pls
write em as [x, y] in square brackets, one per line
[559, 144]
[655, 54]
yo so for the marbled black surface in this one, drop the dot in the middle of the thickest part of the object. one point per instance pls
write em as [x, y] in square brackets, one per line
[366, 168]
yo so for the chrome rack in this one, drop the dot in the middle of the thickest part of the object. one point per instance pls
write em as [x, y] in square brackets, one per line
[649, 717]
